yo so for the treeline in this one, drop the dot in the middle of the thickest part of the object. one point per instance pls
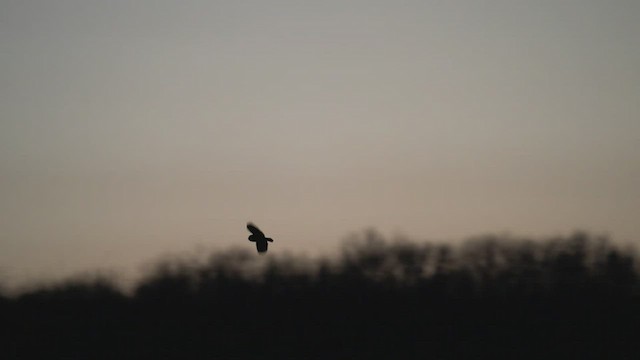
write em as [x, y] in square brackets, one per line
[489, 298]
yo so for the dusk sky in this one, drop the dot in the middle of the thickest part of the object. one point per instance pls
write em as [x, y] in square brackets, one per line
[132, 129]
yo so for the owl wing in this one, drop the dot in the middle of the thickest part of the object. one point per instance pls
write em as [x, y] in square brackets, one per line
[262, 246]
[254, 230]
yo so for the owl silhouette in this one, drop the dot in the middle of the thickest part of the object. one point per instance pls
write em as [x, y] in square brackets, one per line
[257, 236]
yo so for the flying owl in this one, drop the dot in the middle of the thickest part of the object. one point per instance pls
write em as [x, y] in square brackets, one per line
[257, 236]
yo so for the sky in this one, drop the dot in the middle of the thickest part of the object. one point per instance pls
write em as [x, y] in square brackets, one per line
[132, 129]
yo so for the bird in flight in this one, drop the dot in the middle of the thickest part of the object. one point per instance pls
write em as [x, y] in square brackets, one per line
[257, 236]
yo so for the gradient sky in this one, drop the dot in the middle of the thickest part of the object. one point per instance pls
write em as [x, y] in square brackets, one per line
[129, 129]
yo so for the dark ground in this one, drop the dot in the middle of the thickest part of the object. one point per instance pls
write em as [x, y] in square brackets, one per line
[492, 298]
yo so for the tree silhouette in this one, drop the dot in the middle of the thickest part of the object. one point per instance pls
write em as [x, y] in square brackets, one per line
[492, 297]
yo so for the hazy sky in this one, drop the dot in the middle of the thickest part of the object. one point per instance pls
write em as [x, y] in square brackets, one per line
[129, 129]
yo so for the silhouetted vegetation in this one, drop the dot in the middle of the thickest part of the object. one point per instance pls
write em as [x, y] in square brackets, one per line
[490, 298]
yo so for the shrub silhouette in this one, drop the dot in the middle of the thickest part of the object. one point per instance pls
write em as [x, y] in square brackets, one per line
[492, 297]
